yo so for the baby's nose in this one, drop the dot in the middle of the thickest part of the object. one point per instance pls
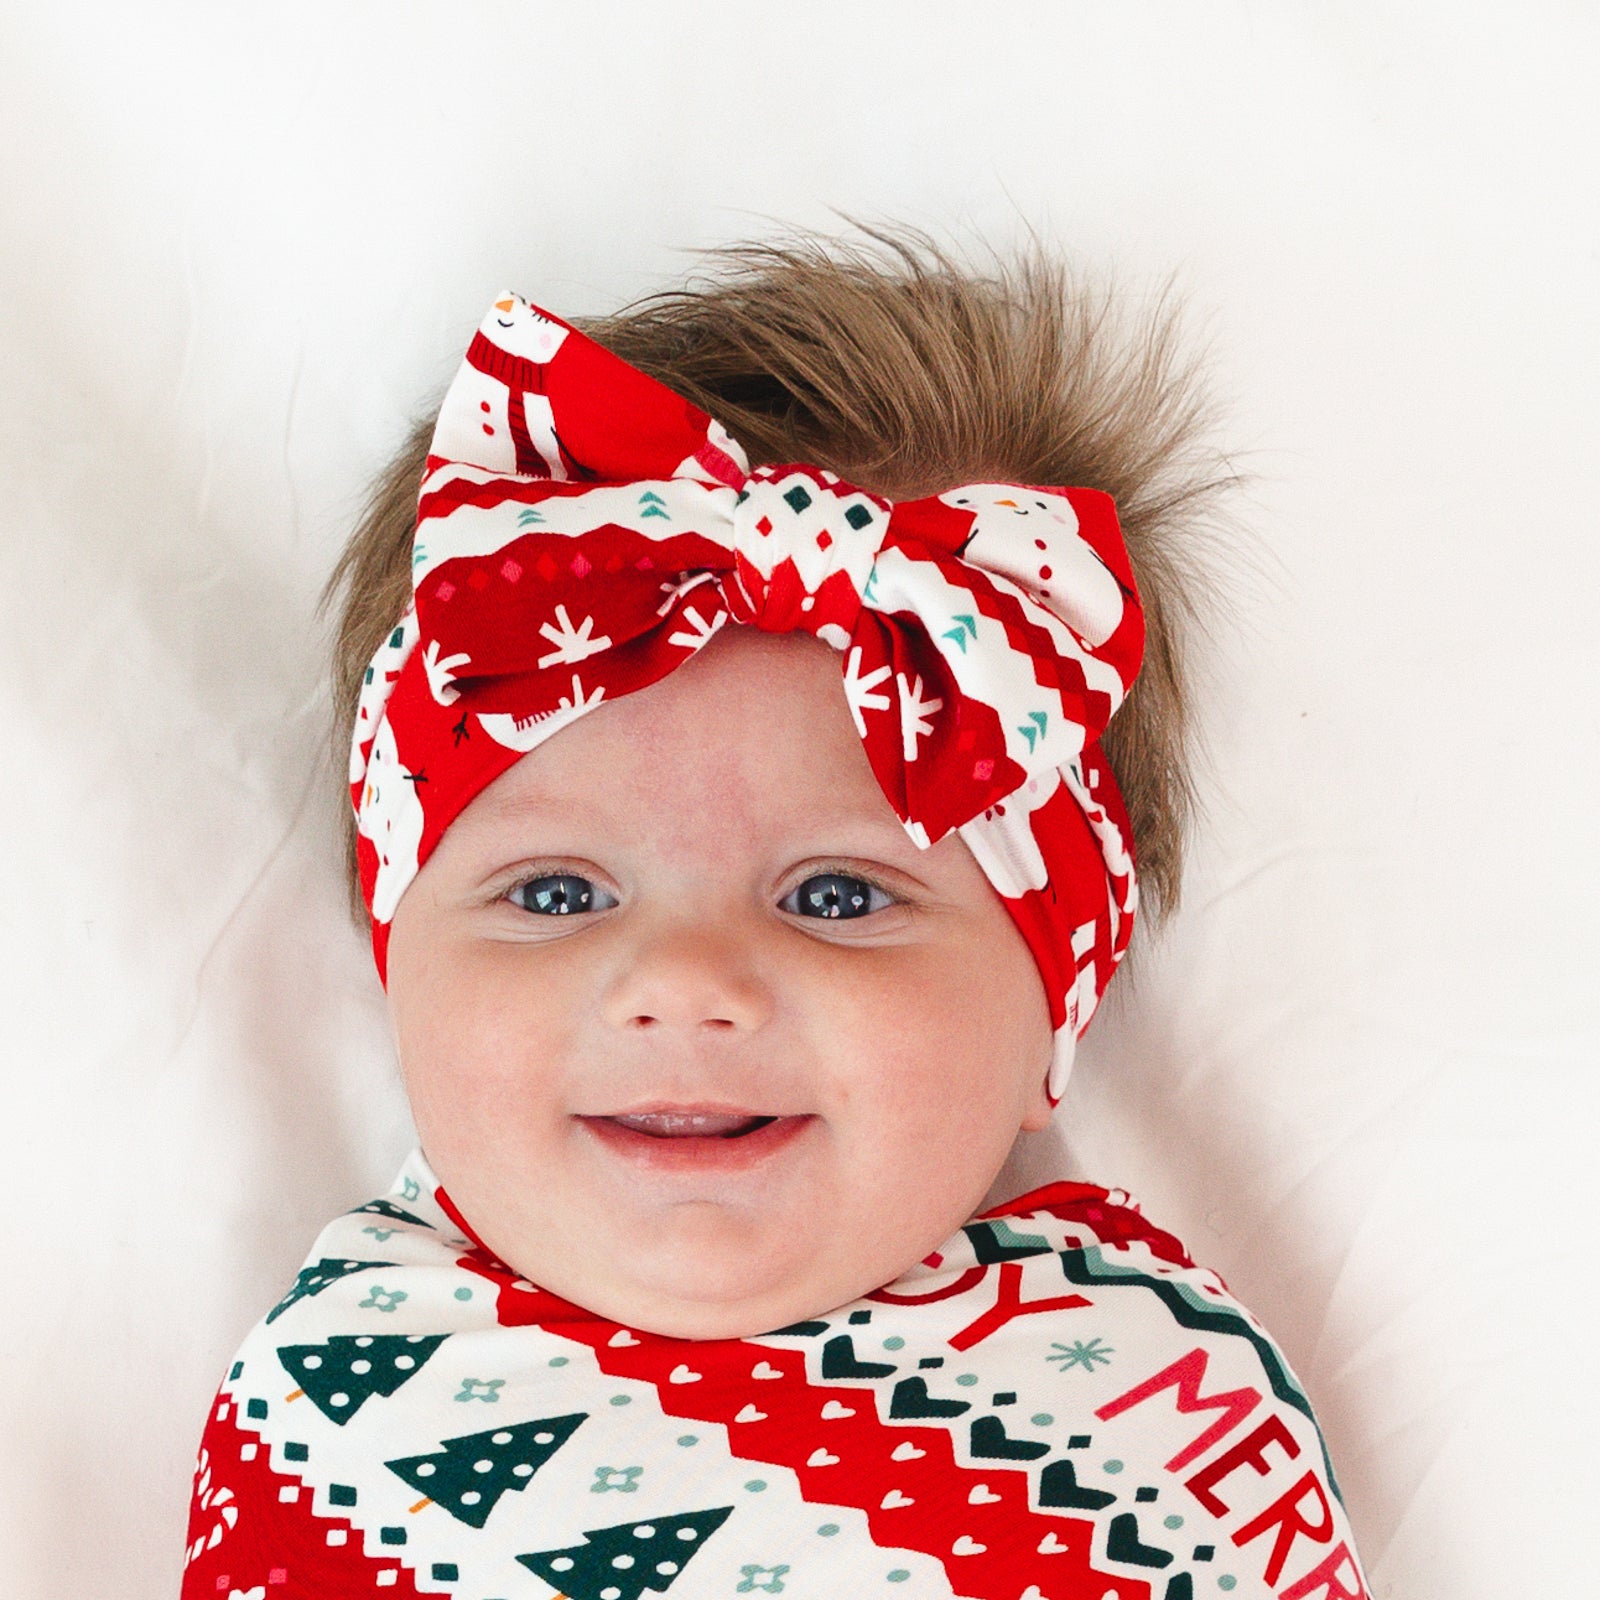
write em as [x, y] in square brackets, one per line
[692, 980]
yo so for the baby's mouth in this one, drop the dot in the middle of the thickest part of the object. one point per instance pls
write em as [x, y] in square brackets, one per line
[689, 1144]
[691, 1124]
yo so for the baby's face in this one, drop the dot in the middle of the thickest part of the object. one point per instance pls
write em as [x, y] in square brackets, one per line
[689, 914]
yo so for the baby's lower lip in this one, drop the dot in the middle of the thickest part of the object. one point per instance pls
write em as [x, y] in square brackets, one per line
[696, 1152]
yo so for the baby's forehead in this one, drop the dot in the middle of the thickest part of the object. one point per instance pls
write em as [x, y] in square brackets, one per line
[748, 703]
[753, 735]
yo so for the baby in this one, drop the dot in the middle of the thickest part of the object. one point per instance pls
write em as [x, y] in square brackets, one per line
[743, 863]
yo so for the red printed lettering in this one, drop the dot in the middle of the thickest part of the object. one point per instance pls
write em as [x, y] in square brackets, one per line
[1186, 1375]
[1326, 1581]
[1008, 1304]
[1249, 1452]
[1285, 1515]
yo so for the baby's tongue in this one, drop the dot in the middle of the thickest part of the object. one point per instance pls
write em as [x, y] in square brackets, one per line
[689, 1124]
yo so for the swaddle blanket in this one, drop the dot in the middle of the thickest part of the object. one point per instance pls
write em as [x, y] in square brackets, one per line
[1055, 1405]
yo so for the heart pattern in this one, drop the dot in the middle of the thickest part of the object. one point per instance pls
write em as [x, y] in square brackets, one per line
[1051, 1546]
[750, 1414]
[620, 1339]
[894, 1500]
[833, 1411]
[682, 1374]
[820, 1458]
[966, 1545]
[907, 1452]
[982, 1495]
[762, 1371]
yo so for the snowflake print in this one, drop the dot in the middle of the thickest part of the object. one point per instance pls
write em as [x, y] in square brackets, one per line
[915, 713]
[578, 702]
[671, 593]
[1079, 1354]
[442, 673]
[858, 689]
[571, 643]
[485, 1389]
[699, 632]
[382, 1299]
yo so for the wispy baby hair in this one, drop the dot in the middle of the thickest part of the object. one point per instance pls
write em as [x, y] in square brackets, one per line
[907, 371]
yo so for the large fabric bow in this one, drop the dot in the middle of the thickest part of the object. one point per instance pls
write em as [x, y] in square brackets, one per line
[582, 531]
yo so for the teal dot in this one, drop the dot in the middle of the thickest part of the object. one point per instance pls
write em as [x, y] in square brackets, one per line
[1226, 1581]
[828, 1529]
[899, 1575]
[756, 1485]
[1173, 1522]
[463, 1294]
[967, 1379]
[688, 1438]
[627, 1399]
[1110, 1466]
[894, 1342]
[1042, 1419]
[558, 1361]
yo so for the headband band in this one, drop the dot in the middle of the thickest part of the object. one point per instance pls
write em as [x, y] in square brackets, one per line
[582, 531]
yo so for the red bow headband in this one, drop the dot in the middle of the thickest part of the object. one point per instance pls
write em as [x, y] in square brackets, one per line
[582, 531]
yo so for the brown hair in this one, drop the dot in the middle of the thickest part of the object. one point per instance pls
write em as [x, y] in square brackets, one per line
[907, 372]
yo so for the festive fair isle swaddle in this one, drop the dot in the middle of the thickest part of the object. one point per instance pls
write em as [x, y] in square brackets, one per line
[582, 531]
[1054, 1405]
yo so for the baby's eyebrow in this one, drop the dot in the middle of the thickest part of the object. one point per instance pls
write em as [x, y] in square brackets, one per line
[491, 809]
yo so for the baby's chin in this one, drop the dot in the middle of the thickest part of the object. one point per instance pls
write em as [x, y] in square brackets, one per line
[706, 1279]
[678, 1312]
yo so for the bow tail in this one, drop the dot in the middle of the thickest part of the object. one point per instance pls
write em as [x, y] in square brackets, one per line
[939, 755]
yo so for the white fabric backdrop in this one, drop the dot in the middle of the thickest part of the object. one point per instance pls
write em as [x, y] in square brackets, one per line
[240, 247]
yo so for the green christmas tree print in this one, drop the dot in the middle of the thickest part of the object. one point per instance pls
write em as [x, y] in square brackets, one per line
[387, 1208]
[315, 1278]
[623, 1562]
[470, 1473]
[339, 1377]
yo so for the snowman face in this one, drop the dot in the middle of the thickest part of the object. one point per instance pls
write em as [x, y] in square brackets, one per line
[519, 330]
[693, 1034]
[391, 817]
[1031, 537]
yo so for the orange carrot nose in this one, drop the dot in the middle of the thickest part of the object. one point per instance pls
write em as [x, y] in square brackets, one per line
[1011, 503]
[504, 305]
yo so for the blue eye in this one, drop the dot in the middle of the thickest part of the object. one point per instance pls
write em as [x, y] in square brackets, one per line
[835, 895]
[560, 894]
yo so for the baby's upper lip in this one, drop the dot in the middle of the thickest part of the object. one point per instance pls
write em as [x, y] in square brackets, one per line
[674, 1108]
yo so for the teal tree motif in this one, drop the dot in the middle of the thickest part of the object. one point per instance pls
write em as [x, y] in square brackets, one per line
[339, 1377]
[624, 1562]
[470, 1473]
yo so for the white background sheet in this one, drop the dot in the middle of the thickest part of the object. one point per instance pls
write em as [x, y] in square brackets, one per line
[242, 247]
